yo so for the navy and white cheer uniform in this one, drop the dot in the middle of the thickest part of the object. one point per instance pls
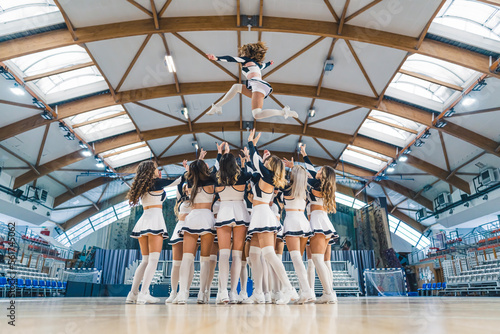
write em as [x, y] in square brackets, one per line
[276, 209]
[254, 84]
[320, 223]
[296, 223]
[233, 209]
[263, 218]
[152, 221]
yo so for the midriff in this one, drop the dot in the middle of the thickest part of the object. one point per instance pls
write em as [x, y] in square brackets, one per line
[202, 206]
[152, 207]
[255, 203]
[315, 207]
[294, 210]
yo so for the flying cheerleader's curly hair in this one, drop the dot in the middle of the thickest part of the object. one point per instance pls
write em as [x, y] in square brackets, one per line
[328, 188]
[143, 181]
[255, 51]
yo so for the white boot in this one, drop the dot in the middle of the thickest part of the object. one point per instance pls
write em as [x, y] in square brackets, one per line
[242, 296]
[328, 298]
[289, 295]
[306, 297]
[287, 113]
[255, 298]
[143, 298]
[171, 298]
[181, 298]
[215, 110]
[222, 297]
[131, 298]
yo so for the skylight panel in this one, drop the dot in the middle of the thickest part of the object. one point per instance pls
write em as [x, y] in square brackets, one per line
[94, 115]
[54, 59]
[69, 80]
[22, 15]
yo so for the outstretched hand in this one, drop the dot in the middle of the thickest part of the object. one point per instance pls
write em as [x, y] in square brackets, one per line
[266, 155]
[246, 153]
[288, 164]
[303, 150]
[252, 138]
[211, 56]
[185, 164]
[203, 153]
[219, 147]
[227, 150]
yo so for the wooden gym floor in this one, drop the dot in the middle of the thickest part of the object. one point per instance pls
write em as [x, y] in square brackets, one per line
[352, 315]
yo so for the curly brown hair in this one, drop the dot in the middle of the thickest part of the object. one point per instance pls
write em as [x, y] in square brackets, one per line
[255, 51]
[328, 188]
[229, 171]
[198, 172]
[143, 181]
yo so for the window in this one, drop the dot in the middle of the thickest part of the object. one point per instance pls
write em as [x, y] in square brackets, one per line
[22, 15]
[422, 88]
[471, 16]
[364, 158]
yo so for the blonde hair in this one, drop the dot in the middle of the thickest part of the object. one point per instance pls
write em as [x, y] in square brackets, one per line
[328, 188]
[298, 182]
[278, 168]
[256, 51]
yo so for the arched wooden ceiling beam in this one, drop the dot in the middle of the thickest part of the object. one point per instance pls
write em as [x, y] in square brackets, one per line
[80, 189]
[48, 168]
[62, 37]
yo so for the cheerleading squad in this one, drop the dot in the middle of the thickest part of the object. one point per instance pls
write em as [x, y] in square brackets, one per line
[235, 211]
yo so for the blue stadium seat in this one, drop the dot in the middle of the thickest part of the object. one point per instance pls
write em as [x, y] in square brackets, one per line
[48, 285]
[20, 285]
[41, 285]
[422, 289]
[433, 288]
[34, 287]
[28, 286]
[3, 285]
[59, 286]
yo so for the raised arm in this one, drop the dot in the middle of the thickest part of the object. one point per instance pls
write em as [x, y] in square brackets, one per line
[269, 63]
[228, 59]
[309, 165]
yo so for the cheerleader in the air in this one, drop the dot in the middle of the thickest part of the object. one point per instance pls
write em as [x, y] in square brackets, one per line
[251, 56]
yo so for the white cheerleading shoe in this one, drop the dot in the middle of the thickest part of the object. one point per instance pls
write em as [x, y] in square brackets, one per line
[307, 297]
[242, 296]
[171, 298]
[215, 110]
[233, 298]
[267, 298]
[287, 113]
[222, 297]
[255, 298]
[201, 298]
[181, 298]
[143, 298]
[288, 296]
[131, 298]
[327, 298]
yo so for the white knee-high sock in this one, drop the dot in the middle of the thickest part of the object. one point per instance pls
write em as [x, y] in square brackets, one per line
[213, 264]
[139, 274]
[224, 268]
[243, 276]
[174, 275]
[322, 270]
[265, 274]
[204, 272]
[185, 276]
[300, 269]
[235, 270]
[259, 113]
[330, 271]
[235, 89]
[278, 284]
[311, 273]
[277, 265]
[254, 254]
[150, 271]
[273, 281]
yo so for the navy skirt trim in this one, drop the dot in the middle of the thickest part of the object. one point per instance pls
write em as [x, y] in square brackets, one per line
[136, 235]
[228, 222]
[197, 231]
[326, 233]
[263, 229]
[175, 241]
[298, 234]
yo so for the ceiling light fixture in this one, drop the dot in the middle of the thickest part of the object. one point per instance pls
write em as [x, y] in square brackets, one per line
[17, 90]
[450, 112]
[185, 112]
[441, 124]
[38, 104]
[468, 101]
[419, 143]
[86, 152]
[6, 74]
[312, 112]
[169, 61]
[426, 134]
[403, 158]
[69, 136]
[47, 115]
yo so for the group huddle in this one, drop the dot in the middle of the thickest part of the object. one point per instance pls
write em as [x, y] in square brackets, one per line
[234, 210]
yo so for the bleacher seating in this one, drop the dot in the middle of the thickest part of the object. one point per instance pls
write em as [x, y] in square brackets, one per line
[483, 275]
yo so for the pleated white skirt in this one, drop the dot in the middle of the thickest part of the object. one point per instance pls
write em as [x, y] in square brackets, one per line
[150, 223]
[320, 223]
[296, 225]
[199, 221]
[232, 213]
[262, 220]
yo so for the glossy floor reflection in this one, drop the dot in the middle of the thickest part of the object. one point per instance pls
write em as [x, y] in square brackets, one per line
[351, 315]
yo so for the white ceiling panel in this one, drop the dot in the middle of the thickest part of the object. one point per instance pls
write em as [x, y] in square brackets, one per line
[346, 123]
[305, 69]
[192, 66]
[379, 62]
[311, 10]
[158, 145]
[115, 55]
[148, 120]
[149, 70]
[97, 12]
[56, 145]
[393, 16]
[199, 103]
[26, 144]
[53, 188]
[346, 74]
[200, 8]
